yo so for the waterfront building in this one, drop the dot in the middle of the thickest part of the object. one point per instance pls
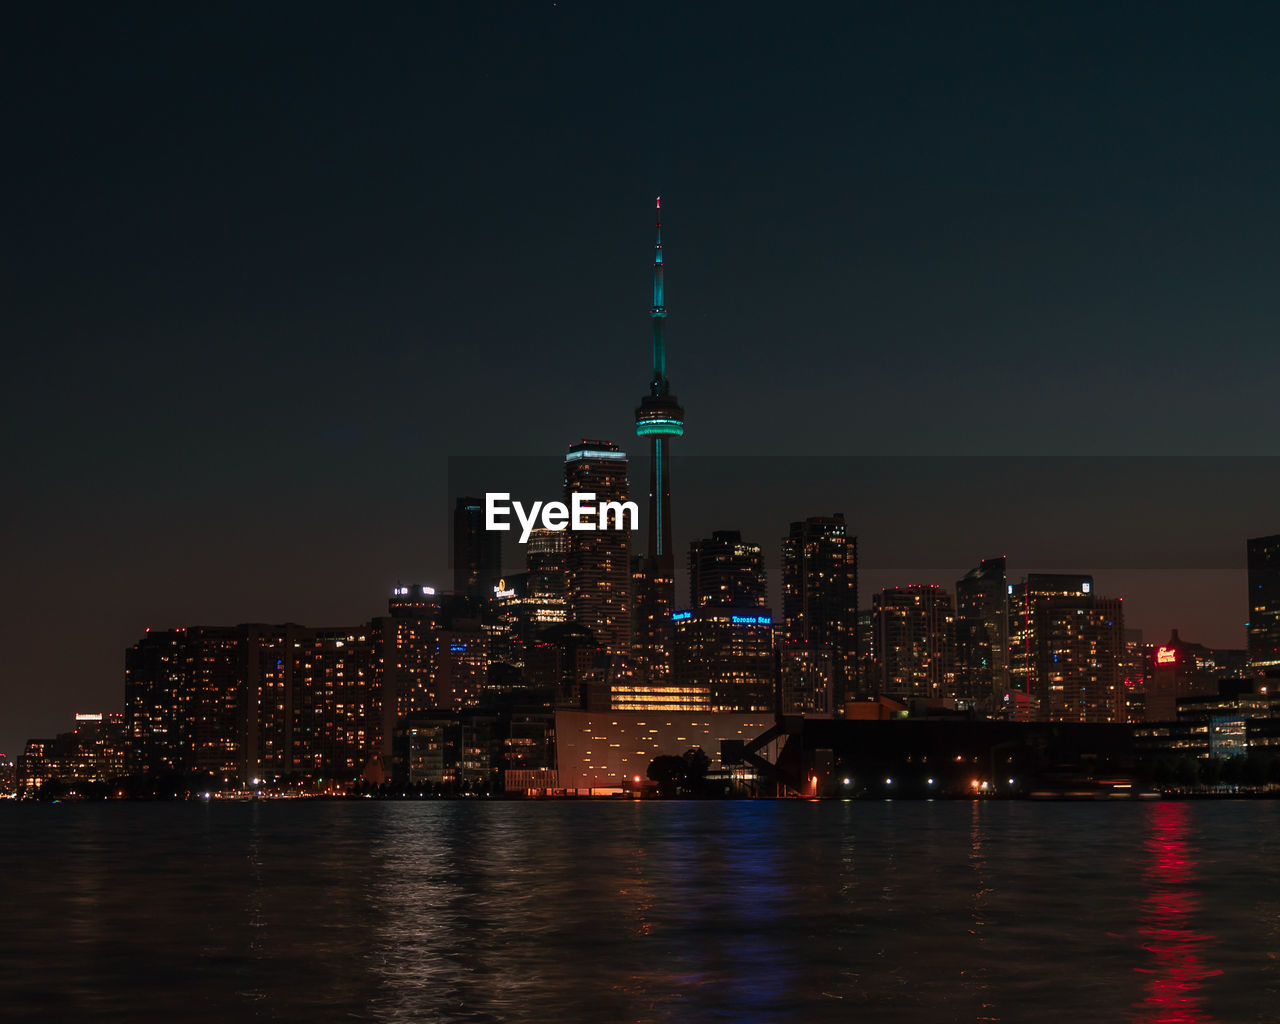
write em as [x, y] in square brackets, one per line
[820, 594]
[982, 631]
[915, 641]
[1067, 649]
[727, 654]
[1263, 558]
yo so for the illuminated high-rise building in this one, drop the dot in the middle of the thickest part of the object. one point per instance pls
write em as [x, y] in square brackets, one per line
[1264, 602]
[1067, 648]
[726, 654]
[726, 572]
[805, 678]
[155, 702]
[820, 595]
[915, 641]
[982, 631]
[598, 562]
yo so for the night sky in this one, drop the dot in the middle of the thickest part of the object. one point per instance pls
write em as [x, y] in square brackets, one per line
[266, 267]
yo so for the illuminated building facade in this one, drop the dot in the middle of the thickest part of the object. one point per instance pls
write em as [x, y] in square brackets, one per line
[536, 598]
[820, 594]
[461, 670]
[230, 704]
[155, 701]
[1263, 556]
[915, 641]
[726, 572]
[91, 756]
[598, 563]
[1181, 670]
[726, 653]
[610, 751]
[805, 671]
[1067, 649]
[982, 631]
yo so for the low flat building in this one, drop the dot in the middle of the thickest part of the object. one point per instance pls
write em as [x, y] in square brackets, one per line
[599, 753]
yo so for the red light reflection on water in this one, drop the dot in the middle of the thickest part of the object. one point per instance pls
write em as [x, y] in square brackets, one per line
[1175, 968]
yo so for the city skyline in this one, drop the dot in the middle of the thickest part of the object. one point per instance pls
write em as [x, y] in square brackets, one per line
[245, 347]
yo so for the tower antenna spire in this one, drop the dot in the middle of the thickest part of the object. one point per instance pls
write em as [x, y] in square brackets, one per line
[658, 311]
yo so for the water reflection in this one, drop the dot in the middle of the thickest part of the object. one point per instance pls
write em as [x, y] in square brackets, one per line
[978, 975]
[653, 911]
[1175, 968]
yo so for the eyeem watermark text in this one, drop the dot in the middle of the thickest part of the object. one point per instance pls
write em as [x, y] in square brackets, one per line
[582, 513]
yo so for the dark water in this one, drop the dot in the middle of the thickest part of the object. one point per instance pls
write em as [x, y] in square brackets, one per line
[568, 912]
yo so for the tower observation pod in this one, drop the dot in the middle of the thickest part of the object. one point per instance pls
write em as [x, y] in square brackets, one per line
[659, 418]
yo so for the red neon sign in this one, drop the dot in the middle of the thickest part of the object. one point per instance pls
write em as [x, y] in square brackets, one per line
[1166, 656]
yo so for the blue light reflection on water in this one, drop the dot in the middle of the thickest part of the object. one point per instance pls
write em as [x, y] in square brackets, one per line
[677, 911]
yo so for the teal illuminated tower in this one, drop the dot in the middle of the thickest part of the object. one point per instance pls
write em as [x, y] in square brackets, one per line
[659, 418]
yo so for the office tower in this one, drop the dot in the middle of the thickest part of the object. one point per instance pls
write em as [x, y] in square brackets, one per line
[1067, 649]
[725, 654]
[726, 572]
[982, 631]
[820, 595]
[915, 639]
[598, 563]
[477, 553]
[1263, 554]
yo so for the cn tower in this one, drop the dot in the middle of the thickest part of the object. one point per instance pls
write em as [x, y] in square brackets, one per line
[659, 418]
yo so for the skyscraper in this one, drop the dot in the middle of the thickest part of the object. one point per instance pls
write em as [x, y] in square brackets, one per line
[728, 654]
[1066, 648]
[915, 640]
[477, 552]
[726, 572]
[820, 595]
[1264, 602]
[982, 631]
[598, 563]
